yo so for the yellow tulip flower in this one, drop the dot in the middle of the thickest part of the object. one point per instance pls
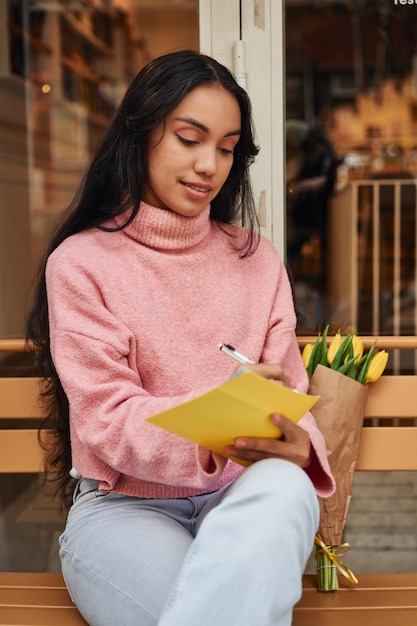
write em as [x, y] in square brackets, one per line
[357, 348]
[376, 366]
[306, 354]
[334, 346]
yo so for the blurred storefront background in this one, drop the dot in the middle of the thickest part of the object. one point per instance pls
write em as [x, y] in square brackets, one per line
[64, 65]
[350, 136]
[351, 119]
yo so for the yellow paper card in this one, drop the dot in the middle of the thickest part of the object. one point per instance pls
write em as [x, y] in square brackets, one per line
[239, 407]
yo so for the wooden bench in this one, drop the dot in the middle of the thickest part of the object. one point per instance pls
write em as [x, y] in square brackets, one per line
[26, 598]
[41, 599]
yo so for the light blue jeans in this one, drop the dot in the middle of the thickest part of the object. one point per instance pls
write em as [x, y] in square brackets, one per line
[230, 558]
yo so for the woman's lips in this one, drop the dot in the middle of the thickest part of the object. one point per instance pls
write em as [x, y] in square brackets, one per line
[197, 190]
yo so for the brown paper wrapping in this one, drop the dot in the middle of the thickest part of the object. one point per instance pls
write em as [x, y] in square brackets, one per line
[339, 415]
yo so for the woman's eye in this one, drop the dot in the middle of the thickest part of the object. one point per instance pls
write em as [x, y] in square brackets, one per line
[186, 142]
[226, 151]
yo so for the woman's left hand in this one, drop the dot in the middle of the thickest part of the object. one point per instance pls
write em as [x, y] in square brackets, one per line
[293, 445]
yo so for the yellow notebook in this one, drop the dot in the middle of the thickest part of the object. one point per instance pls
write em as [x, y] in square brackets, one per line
[239, 407]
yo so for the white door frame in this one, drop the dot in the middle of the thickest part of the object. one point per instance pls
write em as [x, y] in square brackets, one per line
[258, 63]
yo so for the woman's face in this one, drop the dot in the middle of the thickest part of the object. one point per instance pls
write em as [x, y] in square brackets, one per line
[190, 156]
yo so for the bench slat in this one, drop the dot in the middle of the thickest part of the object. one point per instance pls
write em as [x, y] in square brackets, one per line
[21, 452]
[38, 596]
[388, 448]
[392, 396]
[369, 616]
[33, 580]
[378, 600]
[33, 599]
[40, 616]
[384, 342]
[381, 448]
[19, 398]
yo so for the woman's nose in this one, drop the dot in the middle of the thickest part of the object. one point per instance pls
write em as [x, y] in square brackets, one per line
[206, 162]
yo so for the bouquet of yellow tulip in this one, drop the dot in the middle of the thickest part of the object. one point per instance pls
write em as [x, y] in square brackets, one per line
[345, 355]
[339, 372]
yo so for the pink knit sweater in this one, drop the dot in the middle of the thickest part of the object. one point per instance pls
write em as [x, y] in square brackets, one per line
[136, 317]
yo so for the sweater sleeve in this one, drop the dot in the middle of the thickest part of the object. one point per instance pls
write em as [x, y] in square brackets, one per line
[95, 356]
[281, 347]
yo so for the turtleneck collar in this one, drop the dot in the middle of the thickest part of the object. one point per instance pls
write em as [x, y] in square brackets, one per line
[165, 230]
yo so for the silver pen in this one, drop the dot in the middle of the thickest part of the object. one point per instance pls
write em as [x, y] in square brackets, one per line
[238, 356]
[235, 354]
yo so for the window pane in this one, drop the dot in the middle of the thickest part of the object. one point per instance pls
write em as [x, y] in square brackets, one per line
[64, 65]
[351, 129]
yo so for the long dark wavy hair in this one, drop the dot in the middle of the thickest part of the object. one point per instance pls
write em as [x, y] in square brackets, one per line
[114, 183]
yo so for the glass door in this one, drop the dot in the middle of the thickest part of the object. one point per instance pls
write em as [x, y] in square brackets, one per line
[351, 164]
[63, 68]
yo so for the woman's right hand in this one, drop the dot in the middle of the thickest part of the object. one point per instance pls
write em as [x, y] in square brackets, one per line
[293, 444]
[272, 371]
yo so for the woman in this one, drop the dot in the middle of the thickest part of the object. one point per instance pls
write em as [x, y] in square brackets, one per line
[143, 280]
